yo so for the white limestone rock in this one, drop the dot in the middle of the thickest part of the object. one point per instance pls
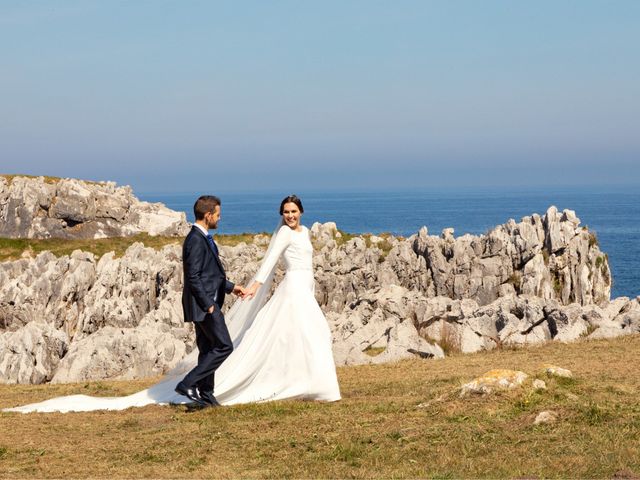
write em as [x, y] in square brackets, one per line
[120, 354]
[539, 384]
[547, 416]
[32, 353]
[70, 208]
[492, 381]
[555, 371]
[382, 320]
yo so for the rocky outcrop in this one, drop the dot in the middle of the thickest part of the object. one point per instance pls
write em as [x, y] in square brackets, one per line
[79, 317]
[32, 353]
[380, 327]
[106, 318]
[550, 257]
[67, 208]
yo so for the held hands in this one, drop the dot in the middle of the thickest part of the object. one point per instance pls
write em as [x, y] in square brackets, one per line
[237, 290]
[245, 293]
[240, 291]
[251, 291]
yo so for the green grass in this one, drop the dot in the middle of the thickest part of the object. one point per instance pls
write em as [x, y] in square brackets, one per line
[400, 420]
[14, 248]
[344, 237]
[374, 351]
[233, 240]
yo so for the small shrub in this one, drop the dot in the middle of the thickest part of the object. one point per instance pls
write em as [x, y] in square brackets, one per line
[515, 279]
[558, 283]
[448, 340]
[385, 246]
[344, 238]
[590, 329]
[545, 256]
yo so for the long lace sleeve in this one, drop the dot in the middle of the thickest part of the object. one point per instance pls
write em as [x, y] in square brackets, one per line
[282, 241]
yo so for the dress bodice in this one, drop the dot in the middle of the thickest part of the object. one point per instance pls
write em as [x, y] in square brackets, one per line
[298, 254]
[294, 246]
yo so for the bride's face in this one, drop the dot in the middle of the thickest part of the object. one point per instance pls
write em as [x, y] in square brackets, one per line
[291, 215]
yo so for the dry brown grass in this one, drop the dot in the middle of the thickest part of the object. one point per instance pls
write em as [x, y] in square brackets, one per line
[395, 421]
[47, 179]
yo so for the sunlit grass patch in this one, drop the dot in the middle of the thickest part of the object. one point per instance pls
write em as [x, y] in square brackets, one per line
[47, 179]
[237, 239]
[15, 248]
[12, 249]
[397, 420]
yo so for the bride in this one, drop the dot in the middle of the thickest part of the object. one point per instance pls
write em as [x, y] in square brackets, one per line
[282, 347]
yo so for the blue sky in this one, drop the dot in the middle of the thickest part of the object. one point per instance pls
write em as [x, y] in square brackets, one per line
[292, 95]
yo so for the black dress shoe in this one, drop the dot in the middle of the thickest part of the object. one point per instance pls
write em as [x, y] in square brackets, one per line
[191, 394]
[209, 398]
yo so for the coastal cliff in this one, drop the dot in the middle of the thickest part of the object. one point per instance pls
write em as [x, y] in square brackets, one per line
[79, 317]
[45, 207]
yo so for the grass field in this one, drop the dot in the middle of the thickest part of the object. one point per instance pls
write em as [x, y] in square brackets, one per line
[15, 248]
[395, 421]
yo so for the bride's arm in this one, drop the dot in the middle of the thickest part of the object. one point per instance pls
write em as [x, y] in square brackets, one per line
[283, 238]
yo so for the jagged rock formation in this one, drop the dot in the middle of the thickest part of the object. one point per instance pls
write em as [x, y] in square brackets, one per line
[550, 257]
[101, 318]
[543, 279]
[68, 208]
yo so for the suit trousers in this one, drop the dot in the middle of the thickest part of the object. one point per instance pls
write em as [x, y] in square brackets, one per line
[214, 346]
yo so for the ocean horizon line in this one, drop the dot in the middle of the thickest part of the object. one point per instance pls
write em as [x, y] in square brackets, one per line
[510, 188]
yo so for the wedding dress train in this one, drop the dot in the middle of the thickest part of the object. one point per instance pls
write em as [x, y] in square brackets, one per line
[282, 347]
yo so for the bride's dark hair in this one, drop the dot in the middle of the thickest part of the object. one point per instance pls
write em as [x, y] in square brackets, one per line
[291, 199]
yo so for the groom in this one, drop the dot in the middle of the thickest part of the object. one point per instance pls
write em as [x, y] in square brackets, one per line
[205, 285]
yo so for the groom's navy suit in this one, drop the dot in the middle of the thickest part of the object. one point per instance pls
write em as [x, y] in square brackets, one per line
[205, 285]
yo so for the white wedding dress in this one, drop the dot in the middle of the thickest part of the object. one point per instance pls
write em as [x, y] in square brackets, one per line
[282, 348]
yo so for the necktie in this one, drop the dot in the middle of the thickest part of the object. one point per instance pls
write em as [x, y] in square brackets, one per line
[213, 244]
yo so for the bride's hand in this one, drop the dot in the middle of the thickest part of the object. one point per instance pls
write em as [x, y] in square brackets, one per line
[251, 291]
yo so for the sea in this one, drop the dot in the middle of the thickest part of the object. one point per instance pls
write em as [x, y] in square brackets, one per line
[613, 213]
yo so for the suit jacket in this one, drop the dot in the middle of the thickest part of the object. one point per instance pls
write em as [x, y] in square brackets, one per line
[205, 282]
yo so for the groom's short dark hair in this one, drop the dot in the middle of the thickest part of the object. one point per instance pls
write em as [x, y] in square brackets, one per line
[204, 204]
